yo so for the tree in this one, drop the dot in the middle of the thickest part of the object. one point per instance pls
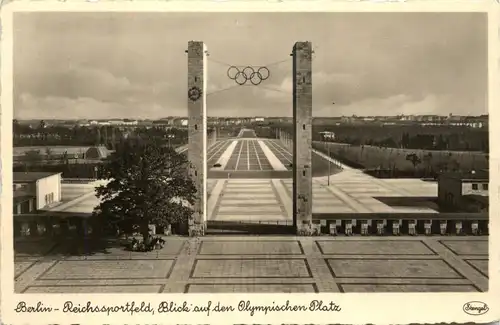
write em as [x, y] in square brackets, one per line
[41, 126]
[428, 163]
[113, 139]
[32, 157]
[16, 127]
[414, 159]
[106, 142]
[64, 158]
[453, 165]
[48, 154]
[147, 184]
[98, 140]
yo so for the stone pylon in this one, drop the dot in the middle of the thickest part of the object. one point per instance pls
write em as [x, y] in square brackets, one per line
[302, 137]
[197, 133]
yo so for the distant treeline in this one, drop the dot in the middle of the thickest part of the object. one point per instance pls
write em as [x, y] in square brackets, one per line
[67, 170]
[454, 138]
[109, 136]
[394, 162]
[265, 132]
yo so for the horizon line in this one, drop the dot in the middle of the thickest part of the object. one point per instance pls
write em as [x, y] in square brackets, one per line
[232, 117]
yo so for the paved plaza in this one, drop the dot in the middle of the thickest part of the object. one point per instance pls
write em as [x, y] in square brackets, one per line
[349, 191]
[269, 199]
[266, 263]
[258, 264]
[235, 199]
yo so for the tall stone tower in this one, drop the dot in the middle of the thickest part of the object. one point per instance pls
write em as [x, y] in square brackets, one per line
[197, 126]
[302, 145]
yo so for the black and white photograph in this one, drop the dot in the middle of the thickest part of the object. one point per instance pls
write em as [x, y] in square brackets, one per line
[250, 152]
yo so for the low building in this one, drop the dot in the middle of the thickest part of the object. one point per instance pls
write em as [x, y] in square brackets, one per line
[35, 191]
[100, 152]
[468, 192]
[180, 122]
[328, 135]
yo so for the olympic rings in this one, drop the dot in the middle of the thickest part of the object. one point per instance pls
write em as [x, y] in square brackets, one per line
[248, 74]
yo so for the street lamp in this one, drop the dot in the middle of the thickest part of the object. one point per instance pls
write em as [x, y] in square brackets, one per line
[329, 164]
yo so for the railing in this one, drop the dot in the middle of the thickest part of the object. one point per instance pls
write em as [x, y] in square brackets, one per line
[51, 226]
[334, 161]
[380, 224]
[365, 224]
[63, 225]
[396, 224]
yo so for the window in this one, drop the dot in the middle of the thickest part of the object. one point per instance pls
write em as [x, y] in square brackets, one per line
[474, 187]
[485, 186]
[49, 198]
[25, 207]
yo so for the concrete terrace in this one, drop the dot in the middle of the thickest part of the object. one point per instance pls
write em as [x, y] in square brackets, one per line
[259, 264]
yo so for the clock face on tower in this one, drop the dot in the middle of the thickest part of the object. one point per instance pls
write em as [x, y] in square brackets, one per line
[194, 93]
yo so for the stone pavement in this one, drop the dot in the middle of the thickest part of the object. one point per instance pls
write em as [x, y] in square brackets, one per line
[260, 264]
[270, 200]
[246, 200]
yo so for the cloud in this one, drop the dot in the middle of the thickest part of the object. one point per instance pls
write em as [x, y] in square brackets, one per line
[405, 61]
[323, 83]
[393, 105]
[52, 107]
[79, 81]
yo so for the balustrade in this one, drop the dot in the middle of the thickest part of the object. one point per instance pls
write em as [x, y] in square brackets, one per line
[34, 226]
[451, 224]
[46, 226]
[412, 227]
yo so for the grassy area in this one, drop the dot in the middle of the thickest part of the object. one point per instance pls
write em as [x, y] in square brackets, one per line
[430, 161]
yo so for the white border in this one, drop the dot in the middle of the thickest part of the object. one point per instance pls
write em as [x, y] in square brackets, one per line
[375, 308]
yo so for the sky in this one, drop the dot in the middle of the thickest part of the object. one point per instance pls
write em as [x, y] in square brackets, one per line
[134, 65]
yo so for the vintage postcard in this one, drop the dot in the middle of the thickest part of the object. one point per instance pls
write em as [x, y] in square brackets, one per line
[203, 162]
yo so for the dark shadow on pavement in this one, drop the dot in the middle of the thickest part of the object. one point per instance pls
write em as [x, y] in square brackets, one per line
[66, 247]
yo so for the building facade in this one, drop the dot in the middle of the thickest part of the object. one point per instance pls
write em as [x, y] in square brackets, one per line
[467, 192]
[33, 191]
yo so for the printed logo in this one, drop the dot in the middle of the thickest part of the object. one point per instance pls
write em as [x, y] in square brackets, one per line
[475, 308]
